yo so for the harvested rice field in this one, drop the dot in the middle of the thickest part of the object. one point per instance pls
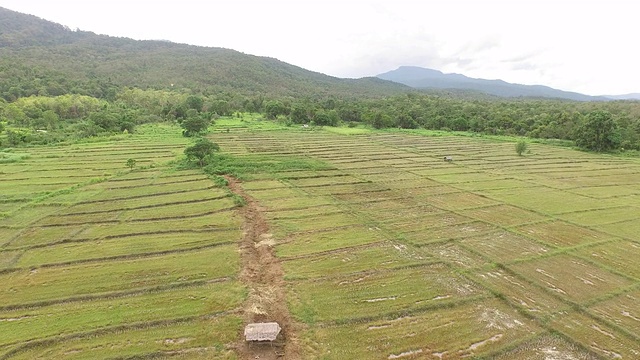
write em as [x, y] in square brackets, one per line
[362, 246]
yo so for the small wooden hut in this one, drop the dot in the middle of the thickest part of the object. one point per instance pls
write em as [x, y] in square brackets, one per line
[262, 331]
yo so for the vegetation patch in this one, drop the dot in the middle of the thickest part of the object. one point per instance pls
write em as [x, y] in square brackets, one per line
[561, 234]
[601, 338]
[365, 259]
[197, 339]
[328, 240]
[450, 332]
[245, 166]
[504, 246]
[571, 278]
[362, 296]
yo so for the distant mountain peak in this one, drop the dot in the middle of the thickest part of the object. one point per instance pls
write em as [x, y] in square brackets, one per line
[424, 78]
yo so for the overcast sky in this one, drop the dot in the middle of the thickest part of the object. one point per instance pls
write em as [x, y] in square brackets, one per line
[587, 46]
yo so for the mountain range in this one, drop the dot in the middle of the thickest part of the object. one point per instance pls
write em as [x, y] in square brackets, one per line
[41, 57]
[423, 78]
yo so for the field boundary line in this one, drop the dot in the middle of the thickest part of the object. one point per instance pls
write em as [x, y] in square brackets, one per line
[114, 294]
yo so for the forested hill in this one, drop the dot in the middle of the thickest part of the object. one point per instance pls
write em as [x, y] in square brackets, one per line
[38, 57]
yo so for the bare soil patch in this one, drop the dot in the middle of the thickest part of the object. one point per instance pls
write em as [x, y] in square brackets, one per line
[262, 273]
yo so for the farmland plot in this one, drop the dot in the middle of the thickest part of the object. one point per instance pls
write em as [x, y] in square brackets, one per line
[384, 252]
[98, 260]
[396, 254]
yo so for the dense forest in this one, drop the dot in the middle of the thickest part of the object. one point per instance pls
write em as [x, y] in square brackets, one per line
[57, 84]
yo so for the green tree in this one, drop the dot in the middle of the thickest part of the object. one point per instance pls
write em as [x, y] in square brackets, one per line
[300, 114]
[326, 118]
[521, 147]
[194, 125]
[131, 163]
[275, 108]
[599, 132]
[194, 102]
[220, 107]
[201, 151]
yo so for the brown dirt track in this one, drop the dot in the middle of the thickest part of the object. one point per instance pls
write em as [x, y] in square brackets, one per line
[263, 275]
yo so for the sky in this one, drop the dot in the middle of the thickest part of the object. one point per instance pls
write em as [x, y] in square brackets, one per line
[586, 46]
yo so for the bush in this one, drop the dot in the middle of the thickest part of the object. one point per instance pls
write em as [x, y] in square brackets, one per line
[521, 147]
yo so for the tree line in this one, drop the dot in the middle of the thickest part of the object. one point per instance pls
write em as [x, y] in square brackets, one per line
[599, 126]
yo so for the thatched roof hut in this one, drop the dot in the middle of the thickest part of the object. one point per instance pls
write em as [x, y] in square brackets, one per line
[262, 331]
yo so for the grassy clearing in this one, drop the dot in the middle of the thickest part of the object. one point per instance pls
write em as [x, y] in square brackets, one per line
[425, 223]
[460, 201]
[245, 166]
[305, 213]
[279, 193]
[325, 181]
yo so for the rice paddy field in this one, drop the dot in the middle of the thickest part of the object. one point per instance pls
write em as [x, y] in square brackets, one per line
[101, 261]
[386, 250]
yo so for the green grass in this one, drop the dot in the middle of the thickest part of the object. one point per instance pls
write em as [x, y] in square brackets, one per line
[9, 157]
[119, 247]
[386, 249]
[78, 317]
[96, 279]
[246, 166]
[198, 339]
[117, 262]
[451, 332]
[366, 295]
[306, 244]
[599, 336]
[501, 223]
[571, 278]
[383, 256]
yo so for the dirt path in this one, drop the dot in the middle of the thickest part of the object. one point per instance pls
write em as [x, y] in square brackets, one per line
[263, 275]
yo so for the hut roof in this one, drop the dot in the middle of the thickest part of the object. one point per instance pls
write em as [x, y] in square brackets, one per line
[261, 331]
